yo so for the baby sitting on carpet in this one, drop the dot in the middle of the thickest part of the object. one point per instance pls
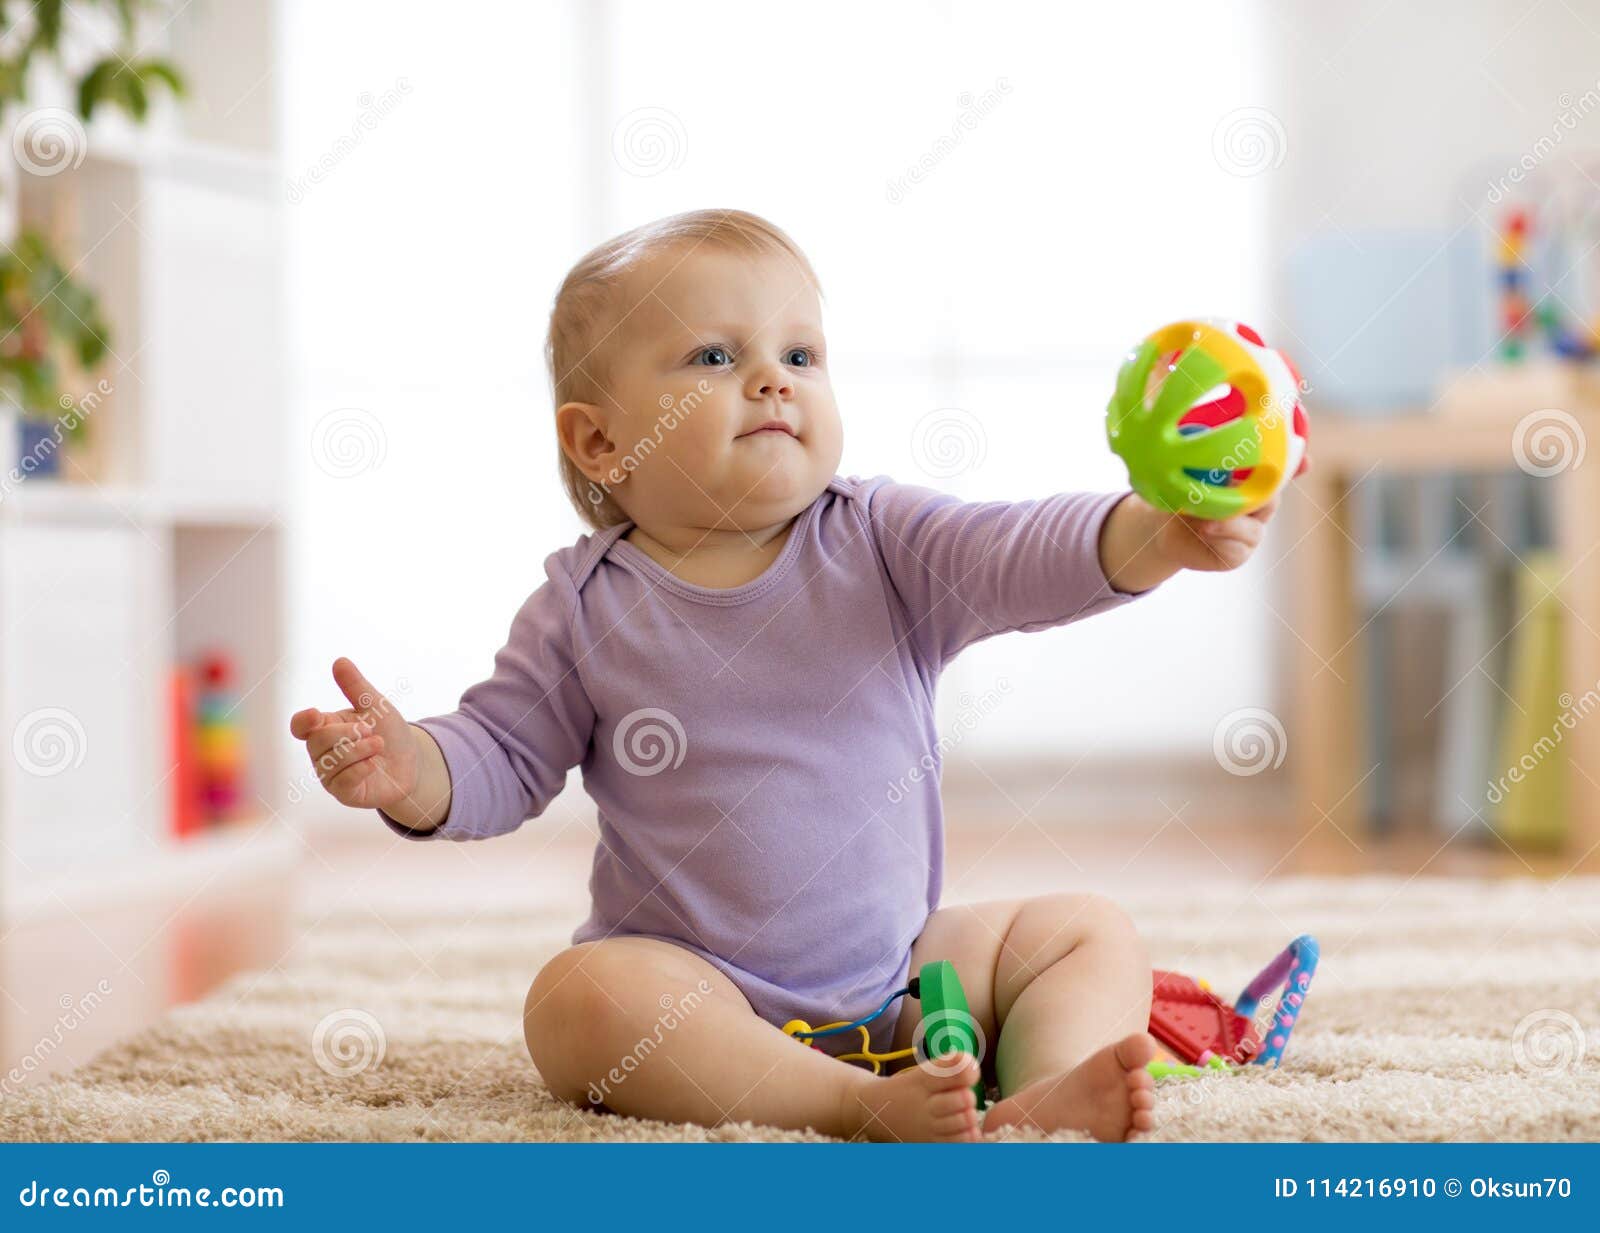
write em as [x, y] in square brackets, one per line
[741, 656]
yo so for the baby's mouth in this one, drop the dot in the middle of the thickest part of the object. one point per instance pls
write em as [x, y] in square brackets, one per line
[771, 426]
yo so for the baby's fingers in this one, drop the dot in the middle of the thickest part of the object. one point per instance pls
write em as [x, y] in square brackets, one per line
[1263, 512]
[349, 786]
[303, 723]
[332, 735]
[346, 755]
[1246, 528]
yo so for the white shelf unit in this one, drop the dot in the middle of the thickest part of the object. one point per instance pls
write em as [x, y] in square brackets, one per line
[165, 538]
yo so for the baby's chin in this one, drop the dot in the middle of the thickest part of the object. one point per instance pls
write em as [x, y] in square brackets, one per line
[762, 490]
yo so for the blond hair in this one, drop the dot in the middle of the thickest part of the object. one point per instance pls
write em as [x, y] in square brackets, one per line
[586, 314]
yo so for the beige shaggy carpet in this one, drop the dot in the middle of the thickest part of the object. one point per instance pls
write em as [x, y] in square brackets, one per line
[1443, 1009]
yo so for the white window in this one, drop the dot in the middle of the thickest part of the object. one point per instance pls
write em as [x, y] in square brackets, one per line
[999, 199]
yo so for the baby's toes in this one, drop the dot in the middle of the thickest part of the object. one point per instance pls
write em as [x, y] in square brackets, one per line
[957, 1125]
[959, 1101]
[954, 1070]
[1135, 1053]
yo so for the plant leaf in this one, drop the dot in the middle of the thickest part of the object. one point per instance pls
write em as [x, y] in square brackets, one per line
[136, 100]
[95, 88]
[47, 24]
[163, 71]
[12, 73]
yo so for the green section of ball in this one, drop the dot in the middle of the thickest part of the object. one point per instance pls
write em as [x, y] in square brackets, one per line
[1158, 456]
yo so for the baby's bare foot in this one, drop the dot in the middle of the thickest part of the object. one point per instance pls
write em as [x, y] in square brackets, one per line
[1110, 1095]
[917, 1104]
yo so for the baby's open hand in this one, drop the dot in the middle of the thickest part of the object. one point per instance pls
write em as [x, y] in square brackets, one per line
[366, 754]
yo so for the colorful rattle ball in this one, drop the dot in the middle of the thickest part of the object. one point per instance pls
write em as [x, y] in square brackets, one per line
[1208, 419]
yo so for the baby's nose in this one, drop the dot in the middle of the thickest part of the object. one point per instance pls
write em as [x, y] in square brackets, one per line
[772, 383]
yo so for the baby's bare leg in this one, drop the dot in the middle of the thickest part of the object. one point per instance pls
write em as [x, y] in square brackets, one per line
[1063, 981]
[650, 1029]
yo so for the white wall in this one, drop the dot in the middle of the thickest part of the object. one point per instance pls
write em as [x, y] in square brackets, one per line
[1409, 116]
[1392, 110]
[420, 269]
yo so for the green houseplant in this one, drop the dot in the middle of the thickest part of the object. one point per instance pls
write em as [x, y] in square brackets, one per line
[51, 322]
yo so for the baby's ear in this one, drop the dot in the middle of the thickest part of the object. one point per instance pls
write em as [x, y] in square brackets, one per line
[582, 429]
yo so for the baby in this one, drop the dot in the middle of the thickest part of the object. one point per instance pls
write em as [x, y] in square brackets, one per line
[740, 657]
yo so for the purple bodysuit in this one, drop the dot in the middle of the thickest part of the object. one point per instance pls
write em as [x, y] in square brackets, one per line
[758, 753]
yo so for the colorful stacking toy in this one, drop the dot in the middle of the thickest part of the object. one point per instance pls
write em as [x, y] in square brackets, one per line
[1519, 312]
[1516, 311]
[219, 740]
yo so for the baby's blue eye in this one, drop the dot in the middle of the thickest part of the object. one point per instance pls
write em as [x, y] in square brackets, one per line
[799, 357]
[719, 357]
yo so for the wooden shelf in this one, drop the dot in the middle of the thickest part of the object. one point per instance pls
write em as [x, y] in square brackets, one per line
[171, 869]
[218, 166]
[168, 549]
[1470, 428]
[39, 500]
